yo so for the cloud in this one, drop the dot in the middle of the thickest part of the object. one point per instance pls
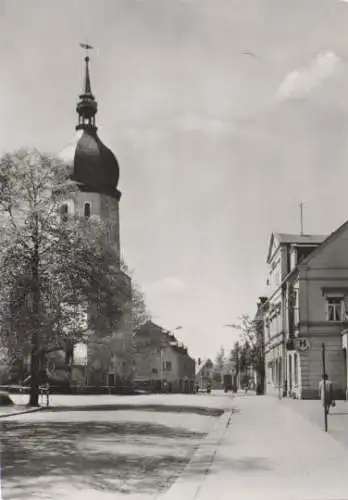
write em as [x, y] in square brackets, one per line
[301, 82]
[167, 285]
[163, 127]
[191, 122]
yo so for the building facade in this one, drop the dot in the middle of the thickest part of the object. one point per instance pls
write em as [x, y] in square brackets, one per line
[313, 312]
[204, 373]
[284, 251]
[161, 363]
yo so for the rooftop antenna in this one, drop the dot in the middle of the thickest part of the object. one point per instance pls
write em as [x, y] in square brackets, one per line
[301, 217]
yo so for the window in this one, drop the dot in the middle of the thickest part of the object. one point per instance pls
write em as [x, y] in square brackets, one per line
[335, 309]
[167, 365]
[87, 210]
[64, 212]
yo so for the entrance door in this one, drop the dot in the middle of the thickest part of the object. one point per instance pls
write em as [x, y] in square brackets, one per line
[111, 379]
[290, 373]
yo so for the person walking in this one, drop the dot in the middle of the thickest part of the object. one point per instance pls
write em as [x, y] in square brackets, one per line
[246, 384]
[326, 392]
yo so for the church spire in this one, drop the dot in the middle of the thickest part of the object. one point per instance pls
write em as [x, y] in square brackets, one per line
[87, 78]
[87, 106]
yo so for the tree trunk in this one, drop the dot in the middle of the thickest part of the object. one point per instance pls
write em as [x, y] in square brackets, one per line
[69, 357]
[260, 379]
[35, 357]
[34, 373]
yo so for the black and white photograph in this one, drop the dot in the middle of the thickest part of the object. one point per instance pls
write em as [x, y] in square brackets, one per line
[174, 249]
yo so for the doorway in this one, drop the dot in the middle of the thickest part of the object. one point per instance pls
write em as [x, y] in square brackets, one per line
[111, 379]
[290, 379]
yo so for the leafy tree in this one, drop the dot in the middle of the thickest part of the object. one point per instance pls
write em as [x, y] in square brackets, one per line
[252, 348]
[234, 357]
[56, 270]
[220, 360]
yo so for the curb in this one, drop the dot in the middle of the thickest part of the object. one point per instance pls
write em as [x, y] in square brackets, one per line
[188, 487]
[22, 412]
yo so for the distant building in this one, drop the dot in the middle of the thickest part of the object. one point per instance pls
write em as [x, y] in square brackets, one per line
[307, 306]
[161, 363]
[204, 373]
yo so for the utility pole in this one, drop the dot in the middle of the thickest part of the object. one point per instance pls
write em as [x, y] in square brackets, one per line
[324, 382]
[301, 217]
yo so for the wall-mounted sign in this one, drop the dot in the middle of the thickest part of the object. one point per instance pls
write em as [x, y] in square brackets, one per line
[290, 346]
[302, 344]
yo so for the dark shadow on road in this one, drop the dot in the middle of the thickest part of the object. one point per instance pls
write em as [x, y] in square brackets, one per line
[198, 410]
[36, 456]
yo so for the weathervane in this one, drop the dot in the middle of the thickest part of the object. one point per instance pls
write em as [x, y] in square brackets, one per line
[87, 47]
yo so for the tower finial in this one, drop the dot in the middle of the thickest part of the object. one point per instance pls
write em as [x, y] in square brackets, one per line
[87, 47]
[87, 106]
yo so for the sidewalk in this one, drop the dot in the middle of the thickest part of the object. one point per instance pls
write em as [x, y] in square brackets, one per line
[271, 451]
[313, 411]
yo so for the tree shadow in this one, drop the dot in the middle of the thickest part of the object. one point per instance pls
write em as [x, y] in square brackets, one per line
[241, 464]
[208, 464]
[106, 456]
[198, 410]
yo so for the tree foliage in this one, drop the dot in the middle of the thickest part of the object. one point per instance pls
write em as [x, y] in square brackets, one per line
[250, 350]
[57, 271]
[220, 360]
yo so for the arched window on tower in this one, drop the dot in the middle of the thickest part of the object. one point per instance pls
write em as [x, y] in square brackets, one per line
[87, 210]
[64, 212]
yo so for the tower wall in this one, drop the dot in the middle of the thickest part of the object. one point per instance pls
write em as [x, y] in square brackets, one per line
[100, 205]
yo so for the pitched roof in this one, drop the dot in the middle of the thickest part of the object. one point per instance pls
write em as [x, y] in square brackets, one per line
[203, 364]
[294, 239]
[300, 239]
[325, 243]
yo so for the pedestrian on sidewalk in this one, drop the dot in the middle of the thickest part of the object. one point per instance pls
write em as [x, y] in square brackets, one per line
[326, 392]
[246, 383]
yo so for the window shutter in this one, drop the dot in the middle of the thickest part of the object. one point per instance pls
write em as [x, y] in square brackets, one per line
[345, 308]
[326, 310]
[343, 311]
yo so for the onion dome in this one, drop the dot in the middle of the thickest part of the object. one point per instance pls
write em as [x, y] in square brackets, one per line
[94, 167]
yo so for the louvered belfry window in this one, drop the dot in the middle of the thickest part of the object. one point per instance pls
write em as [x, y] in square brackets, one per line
[87, 210]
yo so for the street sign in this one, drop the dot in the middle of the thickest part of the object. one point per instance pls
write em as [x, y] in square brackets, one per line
[302, 344]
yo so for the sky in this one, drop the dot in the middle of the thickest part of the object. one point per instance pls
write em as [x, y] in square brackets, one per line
[223, 114]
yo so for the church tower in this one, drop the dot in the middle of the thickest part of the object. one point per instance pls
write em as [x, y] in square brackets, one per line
[94, 168]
